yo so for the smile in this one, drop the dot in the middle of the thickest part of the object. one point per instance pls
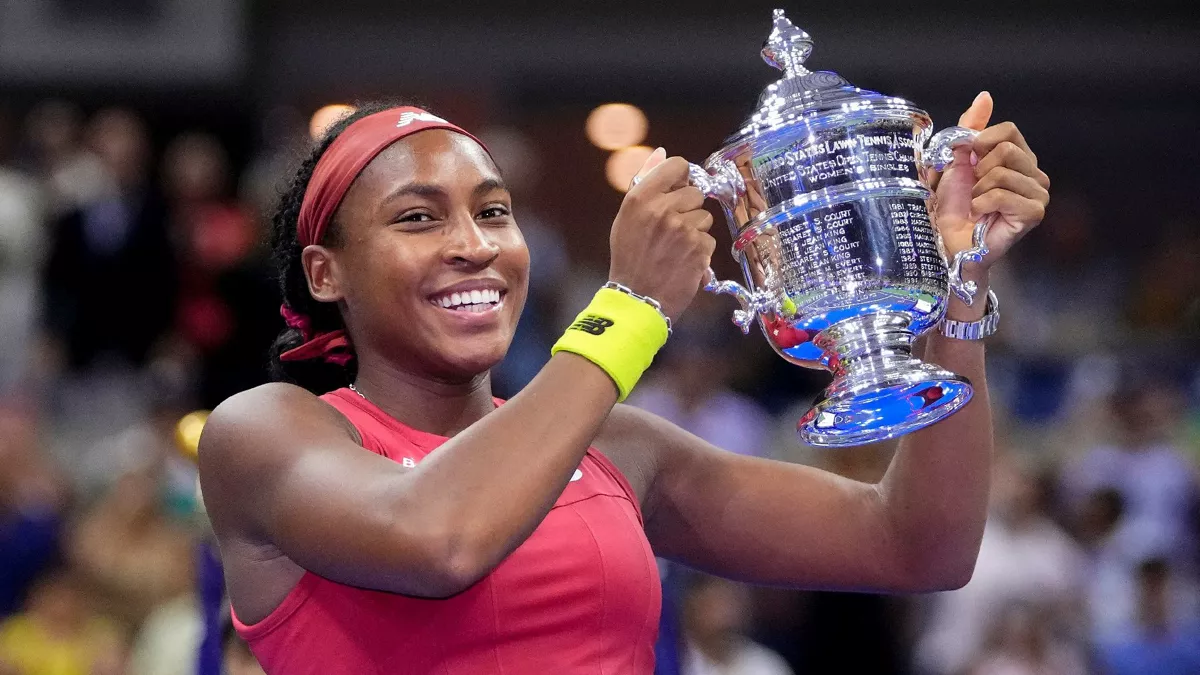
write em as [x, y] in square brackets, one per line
[474, 301]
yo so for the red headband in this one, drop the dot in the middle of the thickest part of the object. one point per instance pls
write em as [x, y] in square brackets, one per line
[335, 172]
[349, 154]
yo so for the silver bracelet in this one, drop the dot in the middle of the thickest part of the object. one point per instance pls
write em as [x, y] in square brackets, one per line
[644, 298]
[974, 330]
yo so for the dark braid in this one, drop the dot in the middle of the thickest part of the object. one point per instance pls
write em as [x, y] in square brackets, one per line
[316, 375]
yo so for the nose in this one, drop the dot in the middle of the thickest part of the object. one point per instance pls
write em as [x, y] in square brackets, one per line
[469, 245]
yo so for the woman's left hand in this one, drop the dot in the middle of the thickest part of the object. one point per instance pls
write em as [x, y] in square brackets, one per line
[997, 173]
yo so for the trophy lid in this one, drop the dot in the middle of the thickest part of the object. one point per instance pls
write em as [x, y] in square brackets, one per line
[805, 98]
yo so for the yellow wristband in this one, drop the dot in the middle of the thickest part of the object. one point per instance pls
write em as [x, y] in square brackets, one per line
[619, 333]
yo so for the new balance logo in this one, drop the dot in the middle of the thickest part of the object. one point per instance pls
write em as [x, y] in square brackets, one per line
[592, 324]
[407, 118]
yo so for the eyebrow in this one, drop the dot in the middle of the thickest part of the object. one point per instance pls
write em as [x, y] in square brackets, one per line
[433, 191]
[487, 185]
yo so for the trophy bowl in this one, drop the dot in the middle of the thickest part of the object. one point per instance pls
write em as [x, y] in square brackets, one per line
[842, 265]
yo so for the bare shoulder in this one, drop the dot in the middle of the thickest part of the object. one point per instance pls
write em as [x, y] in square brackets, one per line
[251, 435]
[272, 408]
[253, 447]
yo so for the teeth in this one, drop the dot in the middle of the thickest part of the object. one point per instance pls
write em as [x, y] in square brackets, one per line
[474, 301]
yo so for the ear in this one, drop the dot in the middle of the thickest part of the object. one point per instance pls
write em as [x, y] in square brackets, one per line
[323, 273]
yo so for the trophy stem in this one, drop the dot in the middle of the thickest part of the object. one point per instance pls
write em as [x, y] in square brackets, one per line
[879, 389]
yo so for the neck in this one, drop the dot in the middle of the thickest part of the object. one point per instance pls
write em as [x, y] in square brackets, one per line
[424, 403]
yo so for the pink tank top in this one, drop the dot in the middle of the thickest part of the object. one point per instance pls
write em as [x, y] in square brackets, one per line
[581, 595]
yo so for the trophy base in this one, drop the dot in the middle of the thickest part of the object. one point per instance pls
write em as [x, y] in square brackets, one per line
[879, 390]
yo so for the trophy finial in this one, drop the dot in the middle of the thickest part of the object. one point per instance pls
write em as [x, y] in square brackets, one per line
[787, 47]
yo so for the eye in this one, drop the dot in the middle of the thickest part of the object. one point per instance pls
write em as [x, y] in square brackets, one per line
[493, 212]
[415, 221]
[415, 218]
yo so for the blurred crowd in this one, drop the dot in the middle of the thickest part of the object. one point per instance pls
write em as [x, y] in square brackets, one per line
[135, 287]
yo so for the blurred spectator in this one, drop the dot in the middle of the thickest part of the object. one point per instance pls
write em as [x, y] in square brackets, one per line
[1024, 643]
[147, 445]
[1057, 314]
[1157, 484]
[690, 386]
[169, 639]
[227, 310]
[1056, 318]
[130, 551]
[23, 213]
[1115, 574]
[60, 634]
[1024, 558]
[1164, 642]
[32, 500]
[1165, 302]
[110, 276]
[284, 139]
[75, 176]
[1109, 594]
[715, 617]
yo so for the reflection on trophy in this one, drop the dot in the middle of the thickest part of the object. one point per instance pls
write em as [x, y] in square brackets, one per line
[843, 268]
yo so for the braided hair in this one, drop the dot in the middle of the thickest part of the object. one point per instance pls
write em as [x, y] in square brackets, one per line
[315, 375]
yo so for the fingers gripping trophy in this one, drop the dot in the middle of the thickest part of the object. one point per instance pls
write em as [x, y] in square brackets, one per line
[823, 190]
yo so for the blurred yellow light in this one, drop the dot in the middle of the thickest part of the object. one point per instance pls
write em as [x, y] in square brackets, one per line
[623, 165]
[613, 126]
[326, 116]
[187, 433]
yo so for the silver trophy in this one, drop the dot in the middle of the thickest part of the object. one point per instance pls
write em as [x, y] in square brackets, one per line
[843, 267]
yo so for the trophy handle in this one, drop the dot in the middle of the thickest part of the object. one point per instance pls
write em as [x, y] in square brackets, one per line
[966, 290]
[939, 152]
[937, 156]
[750, 302]
[723, 182]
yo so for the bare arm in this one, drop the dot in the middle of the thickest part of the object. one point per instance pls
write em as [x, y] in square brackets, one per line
[760, 520]
[772, 522]
[279, 465]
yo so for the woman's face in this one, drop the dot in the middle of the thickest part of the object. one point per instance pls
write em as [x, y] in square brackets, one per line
[430, 267]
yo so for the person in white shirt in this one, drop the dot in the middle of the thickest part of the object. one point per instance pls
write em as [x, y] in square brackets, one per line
[715, 613]
[1156, 482]
[22, 250]
[1024, 558]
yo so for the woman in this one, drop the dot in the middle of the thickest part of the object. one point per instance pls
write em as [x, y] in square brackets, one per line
[406, 522]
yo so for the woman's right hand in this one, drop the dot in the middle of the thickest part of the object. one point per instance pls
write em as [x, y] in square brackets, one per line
[660, 242]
